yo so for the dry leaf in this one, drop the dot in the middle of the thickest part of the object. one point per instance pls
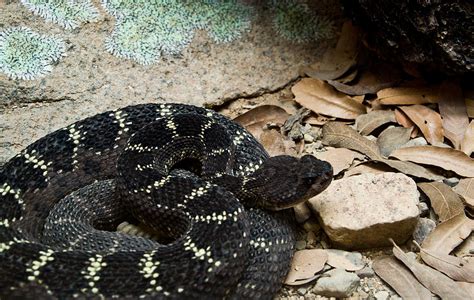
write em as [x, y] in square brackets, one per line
[469, 287]
[350, 261]
[339, 158]
[444, 200]
[466, 247]
[435, 281]
[405, 121]
[367, 123]
[321, 98]
[467, 144]
[465, 188]
[371, 167]
[408, 95]
[427, 120]
[393, 138]
[460, 269]
[340, 135]
[469, 100]
[275, 143]
[400, 279]
[336, 62]
[255, 119]
[449, 234]
[452, 109]
[317, 119]
[305, 265]
[446, 158]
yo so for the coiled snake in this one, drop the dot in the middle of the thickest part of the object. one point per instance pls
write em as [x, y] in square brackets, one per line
[197, 179]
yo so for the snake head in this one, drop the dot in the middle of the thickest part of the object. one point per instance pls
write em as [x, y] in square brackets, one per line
[284, 181]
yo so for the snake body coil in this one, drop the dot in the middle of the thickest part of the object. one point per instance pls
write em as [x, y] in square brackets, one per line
[192, 176]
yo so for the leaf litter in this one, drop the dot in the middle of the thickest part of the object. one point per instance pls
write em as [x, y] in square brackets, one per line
[372, 123]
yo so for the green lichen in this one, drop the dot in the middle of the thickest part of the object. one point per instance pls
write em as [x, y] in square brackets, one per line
[145, 29]
[25, 54]
[294, 21]
[67, 13]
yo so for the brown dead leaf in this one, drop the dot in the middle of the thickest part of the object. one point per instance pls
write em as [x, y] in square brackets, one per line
[467, 144]
[435, 281]
[460, 269]
[305, 266]
[449, 234]
[465, 248]
[317, 119]
[408, 95]
[340, 135]
[446, 158]
[336, 62]
[400, 279]
[427, 120]
[452, 109]
[371, 167]
[350, 261]
[465, 188]
[367, 123]
[469, 107]
[339, 158]
[275, 143]
[405, 121]
[321, 98]
[445, 202]
[393, 138]
[468, 287]
[255, 119]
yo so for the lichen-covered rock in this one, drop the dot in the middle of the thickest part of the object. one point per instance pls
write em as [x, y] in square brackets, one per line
[367, 210]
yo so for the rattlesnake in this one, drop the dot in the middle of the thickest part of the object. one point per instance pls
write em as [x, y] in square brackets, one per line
[194, 177]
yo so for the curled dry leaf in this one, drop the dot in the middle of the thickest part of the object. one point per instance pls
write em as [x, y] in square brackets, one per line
[408, 95]
[405, 121]
[460, 269]
[435, 281]
[470, 107]
[337, 134]
[393, 138]
[452, 109]
[400, 279]
[255, 119]
[321, 98]
[368, 167]
[305, 266]
[449, 234]
[338, 61]
[350, 261]
[467, 144]
[367, 123]
[445, 202]
[339, 158]
[446, 158]
[465, 188]
[427, 120]
[275, 143]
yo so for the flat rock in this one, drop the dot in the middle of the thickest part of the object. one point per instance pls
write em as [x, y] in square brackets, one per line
[364, 211]
[336, 283]
[422, 229]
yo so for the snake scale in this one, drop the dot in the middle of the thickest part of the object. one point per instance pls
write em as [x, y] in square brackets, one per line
[198, 180]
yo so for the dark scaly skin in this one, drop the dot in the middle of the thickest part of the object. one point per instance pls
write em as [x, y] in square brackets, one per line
[219, 248]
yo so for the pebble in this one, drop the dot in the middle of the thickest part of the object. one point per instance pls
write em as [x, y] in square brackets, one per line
[381, 295]
[302, 291]
[300, 245]
[308, 138]
[422, 229]
[365, 272]
[424, 209]
[336, 283]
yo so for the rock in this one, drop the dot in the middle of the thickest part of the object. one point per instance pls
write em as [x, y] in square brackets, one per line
[311, 238]
[302, 291]
[338, 283]
[302, 212]
[382, 295]
[437, 37]
[365, 272]
[349, 261]
[300, 245]
[424, 209]
[422, 229]
[364, 211]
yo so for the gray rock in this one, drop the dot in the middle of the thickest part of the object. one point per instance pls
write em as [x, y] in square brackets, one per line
[365, 272]
[422, 229]
[336, 283]
[364, 211]
[424, 209]
[300, 245]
